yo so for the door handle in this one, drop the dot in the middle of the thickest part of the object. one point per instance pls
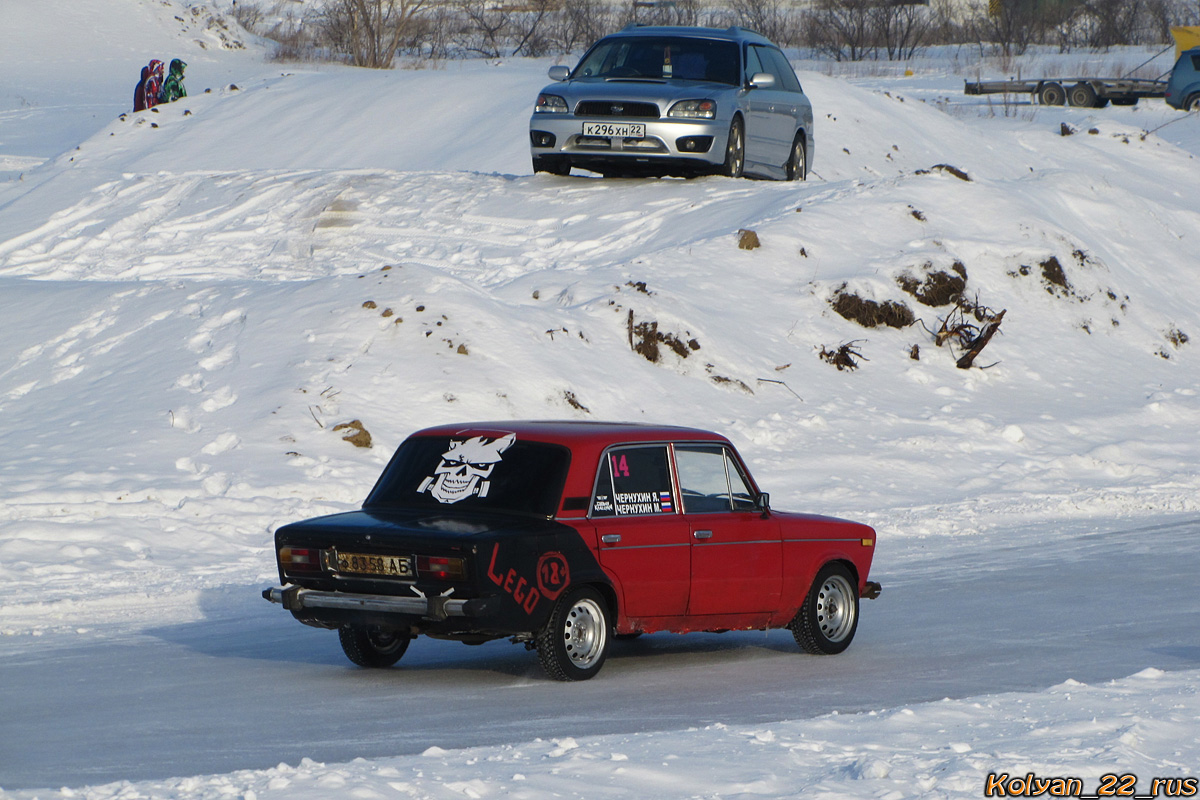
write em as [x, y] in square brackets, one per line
[611, 538]
[702, 534]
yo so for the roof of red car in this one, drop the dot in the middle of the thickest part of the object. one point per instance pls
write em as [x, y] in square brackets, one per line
[572, 432]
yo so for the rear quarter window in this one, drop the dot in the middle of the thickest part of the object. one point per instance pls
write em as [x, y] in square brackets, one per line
[633, 480]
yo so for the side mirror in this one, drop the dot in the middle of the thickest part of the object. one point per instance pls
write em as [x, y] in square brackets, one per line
[763, 504]
[762, 80]
[559, 72]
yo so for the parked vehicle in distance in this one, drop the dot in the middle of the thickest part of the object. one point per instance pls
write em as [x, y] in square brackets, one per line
[1079, 92]
[1183, 87]
[675, 101]
[564, 535]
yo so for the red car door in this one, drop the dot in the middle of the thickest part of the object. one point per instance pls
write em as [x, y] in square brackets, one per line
[737, 563]
[644, 542]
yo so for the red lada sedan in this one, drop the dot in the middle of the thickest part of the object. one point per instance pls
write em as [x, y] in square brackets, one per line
[564, 535]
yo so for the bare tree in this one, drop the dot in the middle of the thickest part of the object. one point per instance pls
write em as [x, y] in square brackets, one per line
[369, 31]
[768, 17]
[902, 28]
[490, 29]
[843, 29]
[664, 12]
[1011, 25]
[578, 23]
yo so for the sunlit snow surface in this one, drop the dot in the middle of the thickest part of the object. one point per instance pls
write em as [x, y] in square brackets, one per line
[191, 300]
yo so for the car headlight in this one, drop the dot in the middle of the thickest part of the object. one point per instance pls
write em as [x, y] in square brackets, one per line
[694, 109]
[550, 104]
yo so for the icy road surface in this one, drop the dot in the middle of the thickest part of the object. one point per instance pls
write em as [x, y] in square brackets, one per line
[248, 687]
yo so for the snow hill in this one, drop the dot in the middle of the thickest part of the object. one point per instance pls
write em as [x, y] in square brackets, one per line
[194, 299]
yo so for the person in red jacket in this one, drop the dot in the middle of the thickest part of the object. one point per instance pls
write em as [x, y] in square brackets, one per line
[154, 82]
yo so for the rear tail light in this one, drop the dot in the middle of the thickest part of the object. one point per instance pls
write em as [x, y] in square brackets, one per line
[442, 569]
[300, 559]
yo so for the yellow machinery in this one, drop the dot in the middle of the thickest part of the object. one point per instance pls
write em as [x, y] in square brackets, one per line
[1186, 37]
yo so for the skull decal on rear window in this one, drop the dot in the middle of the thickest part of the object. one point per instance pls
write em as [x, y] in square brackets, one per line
[465, 468]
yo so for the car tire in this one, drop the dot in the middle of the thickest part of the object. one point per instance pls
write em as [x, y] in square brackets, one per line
[828, 619]
[735, 150]
[797, 166]
[1192, 103]
[1082, 95]
[1052, 94]
[574, 643]
[555, 165]
[373, 648]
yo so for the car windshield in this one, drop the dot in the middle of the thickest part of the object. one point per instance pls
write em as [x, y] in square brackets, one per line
[491, 472]
[662, 58]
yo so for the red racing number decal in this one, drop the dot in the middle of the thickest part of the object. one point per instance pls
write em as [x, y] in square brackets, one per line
[553, 574]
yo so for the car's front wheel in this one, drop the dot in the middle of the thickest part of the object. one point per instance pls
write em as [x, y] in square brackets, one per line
[372, 647]
[735, 150]
[797, 166]
[574, 643]
[826, 623]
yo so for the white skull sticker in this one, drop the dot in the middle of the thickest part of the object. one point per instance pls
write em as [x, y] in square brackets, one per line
[465, 468]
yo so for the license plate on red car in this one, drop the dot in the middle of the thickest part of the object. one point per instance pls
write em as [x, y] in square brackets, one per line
[367, 564]
[623, 130]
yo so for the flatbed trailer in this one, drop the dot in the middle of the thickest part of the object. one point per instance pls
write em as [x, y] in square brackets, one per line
[1081, 92]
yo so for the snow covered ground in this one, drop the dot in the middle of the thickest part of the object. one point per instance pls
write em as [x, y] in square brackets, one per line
[192, 300]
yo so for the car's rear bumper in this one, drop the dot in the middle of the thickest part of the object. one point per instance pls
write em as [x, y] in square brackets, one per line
[667, 141]
[298, 599]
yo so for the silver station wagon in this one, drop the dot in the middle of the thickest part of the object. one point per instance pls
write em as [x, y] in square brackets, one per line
[675, 101]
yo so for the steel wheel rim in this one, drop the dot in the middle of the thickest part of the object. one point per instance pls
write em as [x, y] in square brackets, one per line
[584, 633]
[736, 150]
[798, 165]
[835, 608]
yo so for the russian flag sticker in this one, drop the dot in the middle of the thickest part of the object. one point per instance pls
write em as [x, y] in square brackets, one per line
[664, 501]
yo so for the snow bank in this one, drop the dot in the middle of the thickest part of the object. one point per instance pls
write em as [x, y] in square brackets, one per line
[1143, 725]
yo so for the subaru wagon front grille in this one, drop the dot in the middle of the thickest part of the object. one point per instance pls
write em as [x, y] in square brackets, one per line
[616, 108]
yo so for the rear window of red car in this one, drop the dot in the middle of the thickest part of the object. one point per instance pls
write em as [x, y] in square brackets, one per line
[486, 472]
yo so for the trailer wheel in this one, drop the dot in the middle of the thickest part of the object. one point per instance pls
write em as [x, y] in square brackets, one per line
[1082, 95]
[1052, 94]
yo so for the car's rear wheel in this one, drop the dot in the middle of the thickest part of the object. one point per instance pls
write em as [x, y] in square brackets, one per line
[372, 647]
[555, 165]
[1192, 103]
[735, 150]
[574, 643]
[797, 166]
[826, 623]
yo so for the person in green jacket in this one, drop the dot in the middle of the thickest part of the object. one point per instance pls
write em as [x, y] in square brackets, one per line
[173, 88]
